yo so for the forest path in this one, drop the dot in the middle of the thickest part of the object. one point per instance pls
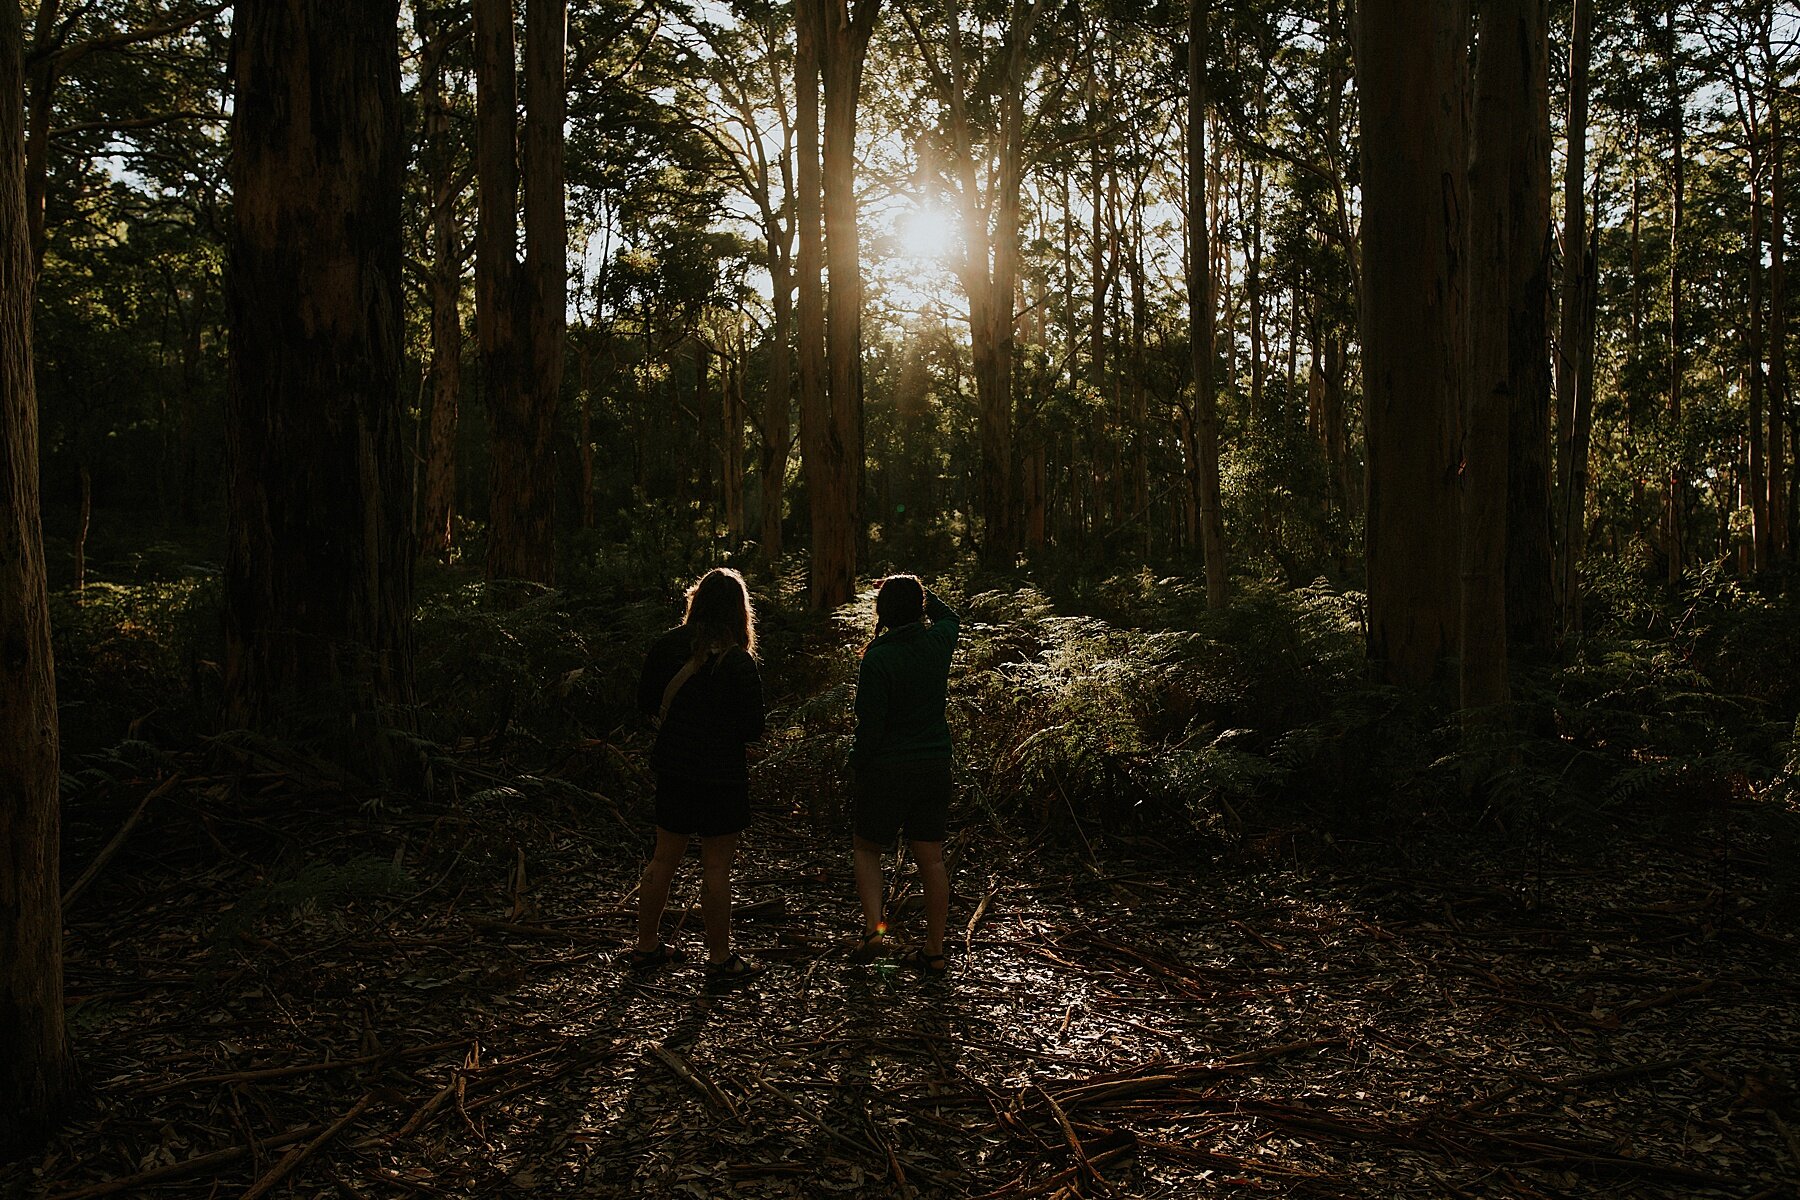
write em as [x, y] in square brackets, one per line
[1309, 1020]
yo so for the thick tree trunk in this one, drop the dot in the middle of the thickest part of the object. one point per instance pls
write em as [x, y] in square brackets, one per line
[1573, 405]
[1413, 65]
[809, 333]
[1530, 595]
[36, 1075]
[318, 570]
[546, 270]
[1203, 436]
[38, 101]
[836, 488]
[1502, 102]
[445, 287]
[519, 308]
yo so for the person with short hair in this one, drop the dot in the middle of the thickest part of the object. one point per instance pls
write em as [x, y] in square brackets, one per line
[701, 685]
[901, 759]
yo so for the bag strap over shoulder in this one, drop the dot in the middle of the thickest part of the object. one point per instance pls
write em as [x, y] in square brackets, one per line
[688, 670]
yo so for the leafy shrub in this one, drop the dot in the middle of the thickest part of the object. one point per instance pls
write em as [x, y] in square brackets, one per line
[130, 655]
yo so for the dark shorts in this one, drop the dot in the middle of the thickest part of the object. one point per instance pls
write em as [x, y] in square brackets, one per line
[701, 807]
[912, 796]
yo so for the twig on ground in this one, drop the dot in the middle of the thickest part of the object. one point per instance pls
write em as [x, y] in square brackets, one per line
[118, 839]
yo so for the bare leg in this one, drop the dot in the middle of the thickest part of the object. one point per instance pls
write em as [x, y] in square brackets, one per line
[936, 882]
[866, 856]
[715, 894]
[653, 887]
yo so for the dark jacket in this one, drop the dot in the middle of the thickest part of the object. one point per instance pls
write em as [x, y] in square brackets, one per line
[716, 711]
[900, 691]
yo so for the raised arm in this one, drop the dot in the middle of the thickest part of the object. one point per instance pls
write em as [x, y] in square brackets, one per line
[944, 619]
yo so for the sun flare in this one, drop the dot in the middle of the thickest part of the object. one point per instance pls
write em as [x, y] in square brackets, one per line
[928, 233]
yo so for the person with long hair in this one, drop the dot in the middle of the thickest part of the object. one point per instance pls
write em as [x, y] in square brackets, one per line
[701, 685]
[902, 760]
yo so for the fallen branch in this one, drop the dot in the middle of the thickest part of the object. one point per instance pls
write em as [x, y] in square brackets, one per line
[975, 921]
[118, 839]
[1668, 997]
[522, 928]
[1787, 1135]
[188, 1166]
[1018, 1189]
[697, 1079]
[300, 1154]
[267, 1073]
[1074, 1141]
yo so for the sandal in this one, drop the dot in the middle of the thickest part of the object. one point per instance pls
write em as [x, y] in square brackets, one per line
[932, 966]
[661, 956]
[733, 971]
[871, 947]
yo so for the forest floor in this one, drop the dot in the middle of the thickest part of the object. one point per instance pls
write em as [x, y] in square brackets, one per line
[429, 1002]
[276, 994]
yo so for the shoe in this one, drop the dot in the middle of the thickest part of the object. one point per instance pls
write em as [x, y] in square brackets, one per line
[869, 948]
[932, 966]
[661, 956]
[733, 971]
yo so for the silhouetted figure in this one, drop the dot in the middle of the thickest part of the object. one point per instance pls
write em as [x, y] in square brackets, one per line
[902, 759]
[701, 684]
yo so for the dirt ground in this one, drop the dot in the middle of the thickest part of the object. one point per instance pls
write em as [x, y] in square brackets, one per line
[315, 999]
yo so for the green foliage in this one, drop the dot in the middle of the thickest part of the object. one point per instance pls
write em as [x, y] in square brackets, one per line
[1169, 717]
[134, 655]
[542, 665]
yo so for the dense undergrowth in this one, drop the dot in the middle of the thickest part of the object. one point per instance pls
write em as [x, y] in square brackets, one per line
[1085, 706]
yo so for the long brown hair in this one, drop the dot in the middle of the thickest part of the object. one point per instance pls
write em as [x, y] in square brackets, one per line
[900, 600]
[719, 614]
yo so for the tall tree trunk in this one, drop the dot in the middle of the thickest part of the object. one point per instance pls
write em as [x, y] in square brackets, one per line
[36, 1074]
[987, 270]
[837, 486]
[1530, 594]
[1138, 417]
[731, 444]
[519, 308]
[1413, 64]
[1775, 449]
[809, 334]
[1757, 483]
[318, 569]
[1204, 434]
[1500, 114]
[1253, 299]
[1573, 406]
[444, 283]
[1675, 500]
[777, 402]
[45, 42]
[546, 274]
